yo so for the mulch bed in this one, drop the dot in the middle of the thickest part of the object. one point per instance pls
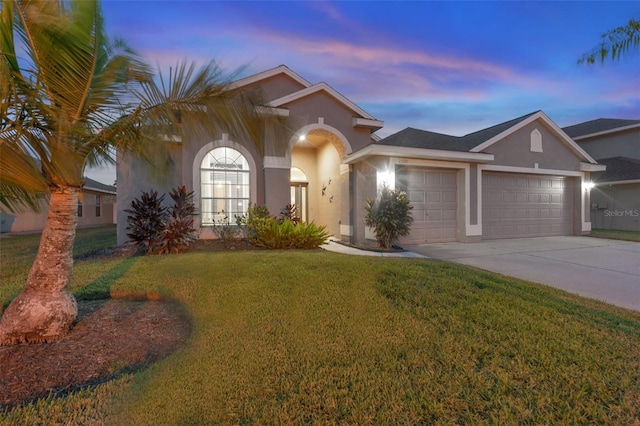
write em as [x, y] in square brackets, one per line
[110, 337]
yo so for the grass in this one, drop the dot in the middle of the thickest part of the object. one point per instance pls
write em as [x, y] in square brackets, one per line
[18, 251]
[614, 234]
[312, 337]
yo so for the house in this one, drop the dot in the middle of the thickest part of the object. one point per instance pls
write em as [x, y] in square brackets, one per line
[615, 143]
[521, 178]
[96, 207]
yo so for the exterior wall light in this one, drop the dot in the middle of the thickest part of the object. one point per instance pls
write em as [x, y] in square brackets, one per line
[588, 186]
[386, 177]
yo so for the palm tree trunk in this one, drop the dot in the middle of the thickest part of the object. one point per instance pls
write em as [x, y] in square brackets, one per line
[45, 309]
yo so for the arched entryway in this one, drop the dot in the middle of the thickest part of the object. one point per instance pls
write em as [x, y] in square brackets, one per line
[317, 151]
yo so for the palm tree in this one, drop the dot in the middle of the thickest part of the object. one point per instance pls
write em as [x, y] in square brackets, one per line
[615, 43]
[68, 98]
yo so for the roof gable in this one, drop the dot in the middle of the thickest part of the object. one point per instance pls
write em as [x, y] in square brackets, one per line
[505, 129]
[479, 141]
[321, 87]
[279, 70]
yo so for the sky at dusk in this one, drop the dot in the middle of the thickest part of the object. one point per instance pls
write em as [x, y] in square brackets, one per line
[450, 67]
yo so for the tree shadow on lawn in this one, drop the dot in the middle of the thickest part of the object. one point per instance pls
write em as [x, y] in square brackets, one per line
[111, 337]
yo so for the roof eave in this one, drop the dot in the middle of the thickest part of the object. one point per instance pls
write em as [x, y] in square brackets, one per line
[589, 167]
[281, 69]
[417, 153]
[606, 132]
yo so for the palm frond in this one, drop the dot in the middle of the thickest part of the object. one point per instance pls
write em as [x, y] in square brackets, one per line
[615, 43]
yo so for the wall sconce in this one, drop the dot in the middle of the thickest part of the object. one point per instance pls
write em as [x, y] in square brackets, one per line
[386, 177]
[588, 186]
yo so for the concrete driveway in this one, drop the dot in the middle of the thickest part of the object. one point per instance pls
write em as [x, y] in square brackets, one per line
[606, 270]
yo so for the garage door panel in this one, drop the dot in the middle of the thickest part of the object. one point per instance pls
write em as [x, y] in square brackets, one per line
[450, 215]
[418, 215]
[416, 196]
[450, 197]
[525, 205]
[434, 215]
[433, 195]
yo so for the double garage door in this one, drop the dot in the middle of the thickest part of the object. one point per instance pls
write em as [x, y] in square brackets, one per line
[518, 206]
[513, 205]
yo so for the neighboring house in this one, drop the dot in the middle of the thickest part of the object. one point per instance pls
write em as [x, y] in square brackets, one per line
[615, 143]
[522, 178]
[96, 207]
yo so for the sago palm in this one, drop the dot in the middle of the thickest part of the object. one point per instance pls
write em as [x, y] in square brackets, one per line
[68, 98]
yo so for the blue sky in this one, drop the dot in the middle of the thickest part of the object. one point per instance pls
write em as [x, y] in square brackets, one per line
[452, 67]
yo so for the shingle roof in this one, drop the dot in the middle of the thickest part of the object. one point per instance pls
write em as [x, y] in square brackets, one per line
[474, 139]
[618, 169]
[415, 138]
[597, 126]
[94, 184]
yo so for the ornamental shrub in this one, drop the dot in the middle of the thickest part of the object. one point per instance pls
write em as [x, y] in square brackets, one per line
[146, 222]
[154, 228]
[179, 232]
[389, 215]
[275, 234]
[252, 220]
[224, 230]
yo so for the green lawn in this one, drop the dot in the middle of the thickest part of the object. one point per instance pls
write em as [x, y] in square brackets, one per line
[313, 337]
[614, 234]
[18, 251]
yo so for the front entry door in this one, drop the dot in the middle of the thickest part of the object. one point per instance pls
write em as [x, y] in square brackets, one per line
[299, 199]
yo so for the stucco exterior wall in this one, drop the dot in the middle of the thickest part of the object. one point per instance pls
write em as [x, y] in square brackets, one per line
[365, 183]
[34, 222]
[275, 87]
[621, 144]
[616, 207]
[135, 175]
[329, 204]
[515, 150]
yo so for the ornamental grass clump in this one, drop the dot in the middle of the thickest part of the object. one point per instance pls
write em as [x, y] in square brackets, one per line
[389, 215]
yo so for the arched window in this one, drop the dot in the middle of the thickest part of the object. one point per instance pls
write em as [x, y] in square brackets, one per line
[224, 184]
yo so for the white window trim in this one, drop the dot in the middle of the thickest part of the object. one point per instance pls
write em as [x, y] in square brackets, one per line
[222, 143]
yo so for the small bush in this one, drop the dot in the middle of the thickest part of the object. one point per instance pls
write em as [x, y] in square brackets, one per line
[290, 211]
[153, 228]
[273, 234]
[224, 230]
[252, 220]
[146, 222]
[389, 215]
[179, 232]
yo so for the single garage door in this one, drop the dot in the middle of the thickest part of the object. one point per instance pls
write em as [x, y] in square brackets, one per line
[517, 206]
[433, 194]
